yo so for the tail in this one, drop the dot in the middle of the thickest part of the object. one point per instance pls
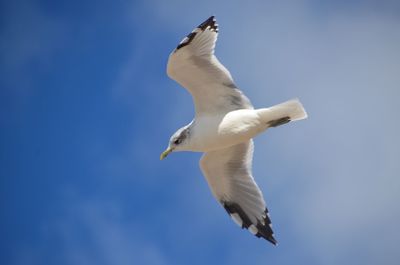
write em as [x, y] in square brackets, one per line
[285, 112]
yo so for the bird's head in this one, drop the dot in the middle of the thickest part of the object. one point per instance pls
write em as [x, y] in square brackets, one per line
[178, 141]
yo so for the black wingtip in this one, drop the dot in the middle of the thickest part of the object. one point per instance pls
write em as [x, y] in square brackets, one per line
[211, 22]
[265, 229]
[269, 236]
[261, 229]
[272, 240]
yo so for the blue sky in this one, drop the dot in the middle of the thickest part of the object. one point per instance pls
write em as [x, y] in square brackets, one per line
[86, 108]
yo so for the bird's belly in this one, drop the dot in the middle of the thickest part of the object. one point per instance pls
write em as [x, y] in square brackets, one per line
[231, 129]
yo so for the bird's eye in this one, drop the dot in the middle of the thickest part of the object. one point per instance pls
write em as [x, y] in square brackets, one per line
[177, 141]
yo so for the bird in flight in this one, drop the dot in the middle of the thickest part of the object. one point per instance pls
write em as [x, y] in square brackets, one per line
[223, 127]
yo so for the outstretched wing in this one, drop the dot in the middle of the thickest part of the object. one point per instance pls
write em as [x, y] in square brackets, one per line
[228, 173]
[194, 65]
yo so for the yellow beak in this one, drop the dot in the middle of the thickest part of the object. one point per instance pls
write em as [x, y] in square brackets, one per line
[165, 153]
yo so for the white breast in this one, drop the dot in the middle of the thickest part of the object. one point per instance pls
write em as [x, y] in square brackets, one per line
[216, 132]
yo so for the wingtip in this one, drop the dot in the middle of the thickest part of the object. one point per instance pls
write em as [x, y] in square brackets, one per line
[209, 22]
[272, 240]
[270, 237]
[265, 229]
[260, 230]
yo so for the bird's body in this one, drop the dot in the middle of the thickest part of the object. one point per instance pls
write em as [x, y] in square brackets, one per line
[213, 132]
[223, 128]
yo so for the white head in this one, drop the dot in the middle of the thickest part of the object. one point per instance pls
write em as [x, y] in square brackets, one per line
[178, 141]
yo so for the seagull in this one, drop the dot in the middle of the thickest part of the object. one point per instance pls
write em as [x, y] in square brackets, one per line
[223, 127]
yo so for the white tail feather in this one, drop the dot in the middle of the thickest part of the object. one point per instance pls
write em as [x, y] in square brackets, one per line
[292, 109]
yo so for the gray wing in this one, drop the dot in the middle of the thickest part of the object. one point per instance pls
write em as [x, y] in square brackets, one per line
[228, 173]
[194, 66]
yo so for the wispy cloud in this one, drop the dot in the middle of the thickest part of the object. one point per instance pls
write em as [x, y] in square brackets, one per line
[29, 36]
[95, 231]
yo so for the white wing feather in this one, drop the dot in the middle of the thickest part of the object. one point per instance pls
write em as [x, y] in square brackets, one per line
[194, 66]
[228, 173]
